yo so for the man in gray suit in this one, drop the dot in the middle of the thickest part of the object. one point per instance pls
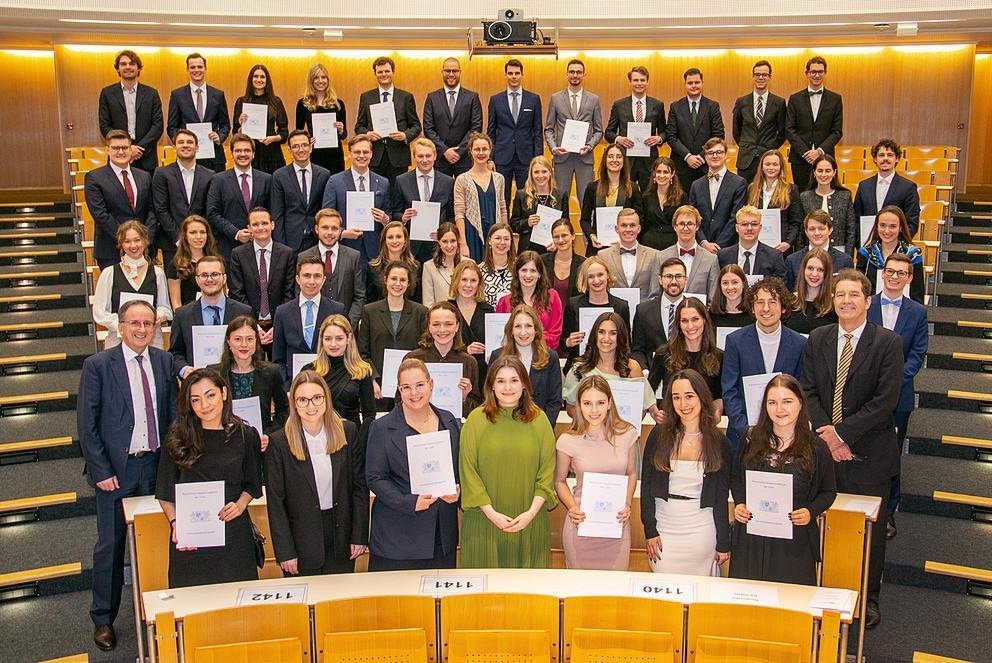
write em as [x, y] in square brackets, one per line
[759, 122]
[343, 266]
[633, 265]
[573, 103]
[702, 266]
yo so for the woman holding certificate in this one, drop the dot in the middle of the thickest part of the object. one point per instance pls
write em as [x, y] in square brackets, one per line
[685, 482]
[539, 190]
[770, 190]
[613, 188]
[441, 343]
[729, 303]
[530, 286]
[599, 442]
[196, 240]
[507, 465]
[348, 376]
[594, 283]
[693, 345]
[523, 338]
[813, 302]
[497, 263]
[258, 91]
[478, 198]
[469, 298]
[781, 443]
[394, 246]
[318, 501]
[319, 98]
[436, 277]
[663, 196]
[207, 443]
[410, 530]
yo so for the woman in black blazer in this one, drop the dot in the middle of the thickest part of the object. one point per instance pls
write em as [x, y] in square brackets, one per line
[523, 338]
[538, 190]
[376, 332]
[243, 366]
[770, 190]
[318, 501]
[469, 298]
[410, 531]
[594, 283]
[663, 196]
[614, 188]
[258, 90]
[562, 265]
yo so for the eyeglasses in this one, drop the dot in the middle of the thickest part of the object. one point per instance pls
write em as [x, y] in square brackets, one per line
[119, 148]
[715, 153]
[210, 276]
[749, 224]
[451, 71]
[685, 225]
[761, 75]
[673, 277]
[901, 273]
[816, 72]
[407, 389]
[139, 324]
[303, 401]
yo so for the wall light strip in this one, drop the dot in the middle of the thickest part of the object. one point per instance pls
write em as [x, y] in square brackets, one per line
[27, 53]
[237, 26]
[101, 21]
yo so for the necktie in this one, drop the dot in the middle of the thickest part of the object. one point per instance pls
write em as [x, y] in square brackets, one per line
[199, 104]
[687, 252]
[128, 189]
[308, 325]
[693, 113]
[842, 368]
[747, 263]
[451, 102]
[361, 183]
[215, 320]
[515, 105]
[575, 105]
[146, 392]
[671, 320]
[263, 284]
[303, 185]
[385, 97]
[639, 113]
[759, 113]
[628, 252]
[425, 194]
[328, 264]
[245, 192]
[880, 192]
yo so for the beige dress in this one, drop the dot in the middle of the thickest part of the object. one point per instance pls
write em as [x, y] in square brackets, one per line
[592, 455]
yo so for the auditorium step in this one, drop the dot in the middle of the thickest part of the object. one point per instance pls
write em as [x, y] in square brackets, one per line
[44, 355]
[45, 324]
[970, 234]
[923, 475]
[971, 323]
[960, 542]
[38, 392]
[960, 295]
[966, 272]
[28, 255]
[950, 434]
[51, 476]
[9, 221]
[19, 276]
[971, 218]
[60, 205]
[956, 390]
[29, 237]
[980, 253]
[38, 298]
[962, 354]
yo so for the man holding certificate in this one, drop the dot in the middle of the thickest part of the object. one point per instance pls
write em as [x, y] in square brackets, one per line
[390, 152]
[363, 196]
[637, 123]
[581, 107]
[197, 106]
[410, 192]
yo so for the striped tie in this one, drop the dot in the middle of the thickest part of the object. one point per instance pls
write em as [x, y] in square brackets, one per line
[842, 367]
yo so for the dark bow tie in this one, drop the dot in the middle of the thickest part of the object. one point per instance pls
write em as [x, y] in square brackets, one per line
[628, 252]
[814, 93]
[687, 252]
[713, 176]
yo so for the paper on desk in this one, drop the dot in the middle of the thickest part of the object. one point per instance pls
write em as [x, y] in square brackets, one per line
[204, 146]
[383, 118]
[639, 132]
[628, 396]
[495, 323]
[587, 318]
[324, 131]
[838, 600]
[603, 496]
[426, 221]
[255, 124]
[301, 359]
[769, 499]
[391, 360]
[208, 341]
[359, 210]
[541, 233]
[632, 297]
[250, 410]
[771, 227]
[739, 592]
[198, 507]
[432, 469]
[754, 394]
[574, 136]
[272, 594]
[447, 395]
[606, 225]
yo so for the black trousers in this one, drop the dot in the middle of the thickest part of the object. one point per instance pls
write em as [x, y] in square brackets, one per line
[331, 563]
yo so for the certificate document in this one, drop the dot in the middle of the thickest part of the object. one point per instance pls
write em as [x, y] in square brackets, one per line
[754, 394]
[495, 323]
[541, 233]
[198, 506]
[639, 132]
[432, 469]
[208, 341]
[359, 210]
[390, 366]
[632, 296]
[769, 499]
[721, 336]
[587, 317]
[447, 395]
[603, 496]
[255, 123]
[324, 131]
[250, 410]
[204, 146]
[575, 135]
[383, 118]
[771, 227]
[606, 225]
[426, 221]
[301, 359]
[142, 297]
[866, 223]
[628, 395]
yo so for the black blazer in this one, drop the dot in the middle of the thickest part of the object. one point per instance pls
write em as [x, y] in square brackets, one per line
[169, 200]
[375, 332]
[447, 130]
[871, 394]
[803, 133]
[794, 263]
[293, 216]
[521, 140]
[474, 331]
[752, 140]
[570, 323]
[686, 139]
[648, 331]
[243, 280]
[792, 218]
[186, 317]
[622, 112]
[406, 189]
[656, 223]
[295, 520]
[347, 283]
[396, 153]
[399, 532]
[226, 208]
[182, 111]
[766, 260]
[718, 224]
[267, 385]
[902, 193]
[287, 337]
[107, 202]
[520, 213]
[590, 201]
[148, 121]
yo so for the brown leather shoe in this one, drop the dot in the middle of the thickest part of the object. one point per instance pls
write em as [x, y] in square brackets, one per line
[104, 637]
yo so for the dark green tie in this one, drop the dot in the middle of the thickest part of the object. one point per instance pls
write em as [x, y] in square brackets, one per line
[693, 113]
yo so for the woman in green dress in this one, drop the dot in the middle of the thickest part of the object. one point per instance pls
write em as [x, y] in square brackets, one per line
[507, 466]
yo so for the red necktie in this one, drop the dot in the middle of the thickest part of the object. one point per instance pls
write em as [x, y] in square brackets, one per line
[128, 189]
[328, 265]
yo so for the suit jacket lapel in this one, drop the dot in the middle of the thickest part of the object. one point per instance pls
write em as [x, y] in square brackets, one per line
[119, 369]
[306, 468]
[901, 319]
[138, 98]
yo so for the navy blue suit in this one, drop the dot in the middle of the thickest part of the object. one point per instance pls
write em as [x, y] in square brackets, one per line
[911, 325]
[336, 197]
[182, 111]
[190, 315]
[902, 193]
[294, 216]
[515, 143]
[406, 189]
[105, 420]
[171, 205]
[742, 356]
[108, 204]
[226, 209]
[764, 259]
[287, 340]
[794, 263]
[717, 224]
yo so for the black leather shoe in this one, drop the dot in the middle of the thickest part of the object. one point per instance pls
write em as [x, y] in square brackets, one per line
[104, 637]
[890, 528]
[872, 615]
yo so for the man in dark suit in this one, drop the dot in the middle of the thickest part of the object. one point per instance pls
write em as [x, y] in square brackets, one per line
[759, 122]
[814, 122]
[178, 190]
[359, 178]
[297, 322]
[573, 103]
[852, 375]
[653, 319]
[249, 262]
[751, 255]
[818, 226]
[717, 196]
[451, 114]
[888, 187]
[343, 266]
[127, 400]
[116, 193]
[893, 310]
[423, 183]
[767, 346]
[638, 107]
[234, 192]
[297, 191]
[390, 154]
[198, 103]
[213, 307]
[515, 127]
[134, 108]
[692, 120]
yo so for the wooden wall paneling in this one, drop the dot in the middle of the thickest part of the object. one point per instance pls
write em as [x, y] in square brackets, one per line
[979, 166]
[29, 117]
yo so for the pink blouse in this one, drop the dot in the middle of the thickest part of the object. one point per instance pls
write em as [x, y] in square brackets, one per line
[551, 319]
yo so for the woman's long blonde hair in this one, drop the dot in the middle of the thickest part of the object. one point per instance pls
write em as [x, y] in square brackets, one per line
[613, 424]
[333, 426]
[357, 367]
[310, 94]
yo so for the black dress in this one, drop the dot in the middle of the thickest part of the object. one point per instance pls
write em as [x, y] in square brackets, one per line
[266, 383]
[353, 399]
[474, 330]
[187, 286]
[806, 320]
[784, 560]
[331, 158]
[375, 284]
[236, 462]
[520, 216]
[656, 225]
[658, 375]
[268, 158]
[736, 320]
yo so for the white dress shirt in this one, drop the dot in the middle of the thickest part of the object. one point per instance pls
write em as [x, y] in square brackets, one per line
[448, 90]
[130, 102]
[714, 183]
[130, 178]
[303, 311]
[766, 194]
[882, 189]
[420, 184]
[251, 185]
[769, 343]
[368, 179]
[764, 103]
[667, 304]
[268, 257]
[187, 175]
[814, 101]
[391, 90]
[644, 107]
[308, 169]
[578, 99]
[687, 259]
[629, 263]
[192, 93]
[334, 255]
[854, 341]
[753, 250]
[139, 434]
[890, 314]
[323, 473]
